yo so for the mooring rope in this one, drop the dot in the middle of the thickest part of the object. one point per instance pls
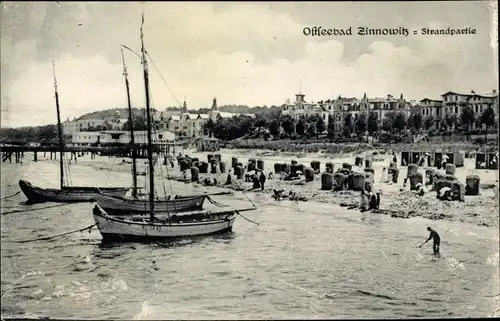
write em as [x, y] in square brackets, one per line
[211, 200]
[247, 218]
[6, 197]
[17, 282]
[35, 209]
[57, 235]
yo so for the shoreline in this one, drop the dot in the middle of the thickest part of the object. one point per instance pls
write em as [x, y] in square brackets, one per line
[395, 201]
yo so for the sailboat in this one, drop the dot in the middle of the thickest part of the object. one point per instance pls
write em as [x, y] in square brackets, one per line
[115, 204]
[66, 194]
[140, 227]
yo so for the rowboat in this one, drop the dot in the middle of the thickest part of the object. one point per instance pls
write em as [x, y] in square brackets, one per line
[116, 204]
[135, 228]
[119, 204]
[68, 194]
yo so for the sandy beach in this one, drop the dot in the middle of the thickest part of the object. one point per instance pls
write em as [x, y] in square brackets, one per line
[396, 200]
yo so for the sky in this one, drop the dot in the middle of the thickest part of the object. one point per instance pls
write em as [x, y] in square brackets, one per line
[242, 53]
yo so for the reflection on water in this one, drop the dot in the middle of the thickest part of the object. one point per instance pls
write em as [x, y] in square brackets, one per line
[304, 260]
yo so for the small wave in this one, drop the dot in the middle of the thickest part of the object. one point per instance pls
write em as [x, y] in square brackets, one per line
[256, 293]
[432, 300]
[27, 286]
[24, 316]
[493, 259]
[145, 311]
[115, 285]
[375, 295]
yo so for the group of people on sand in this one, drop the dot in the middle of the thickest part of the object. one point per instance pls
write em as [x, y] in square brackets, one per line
[369, 199]
[279, 194]
[258, 179]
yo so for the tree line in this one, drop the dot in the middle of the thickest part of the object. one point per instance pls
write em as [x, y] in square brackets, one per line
[270, 123]
[279, 126]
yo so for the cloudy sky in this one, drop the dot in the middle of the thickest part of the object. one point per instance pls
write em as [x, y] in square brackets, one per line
[242, 53]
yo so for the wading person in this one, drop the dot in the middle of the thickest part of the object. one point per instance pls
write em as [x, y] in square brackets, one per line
[436, 240]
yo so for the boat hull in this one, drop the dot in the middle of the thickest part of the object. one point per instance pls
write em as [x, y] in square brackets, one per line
[116, 229]
[114, 205]
[68, 194]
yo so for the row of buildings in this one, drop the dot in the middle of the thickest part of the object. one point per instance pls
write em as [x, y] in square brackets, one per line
[181, 123]
[451, 104]
[190, 125]
[165, 140]
[123, 137]
[337, 109]
[73, 126]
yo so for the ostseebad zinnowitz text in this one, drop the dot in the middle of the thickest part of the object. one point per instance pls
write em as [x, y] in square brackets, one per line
[318, 31]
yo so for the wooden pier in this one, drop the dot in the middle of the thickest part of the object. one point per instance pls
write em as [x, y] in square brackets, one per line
[7, 151]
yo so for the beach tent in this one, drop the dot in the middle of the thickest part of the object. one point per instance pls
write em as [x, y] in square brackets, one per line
[459, 159]
[339, 181]
[472, 183]
[429, 158]
[458, 190]
[438, 158]
[405, 158]
[450, 158]
[326, 181]
[358, 181]
[492, 161]
[481, 161]
[414, 180]
[415, 157]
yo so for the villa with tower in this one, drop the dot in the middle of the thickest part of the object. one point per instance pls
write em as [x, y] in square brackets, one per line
[190, 125]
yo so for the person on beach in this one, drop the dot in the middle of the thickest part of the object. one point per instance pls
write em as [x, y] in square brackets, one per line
[229, 179]
[363, 202]
[384, 176]
[421, 160]
[444, 161]
[435, 238]
[389, 176]
[334, 185]
[278, 194]
[262, 180]
[372, 205]
[256, 182]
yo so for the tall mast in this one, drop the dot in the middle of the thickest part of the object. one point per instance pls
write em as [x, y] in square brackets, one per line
[148, 117]
[131, 128]
[59, 127]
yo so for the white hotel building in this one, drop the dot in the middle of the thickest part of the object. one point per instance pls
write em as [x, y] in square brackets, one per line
[341, 106]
